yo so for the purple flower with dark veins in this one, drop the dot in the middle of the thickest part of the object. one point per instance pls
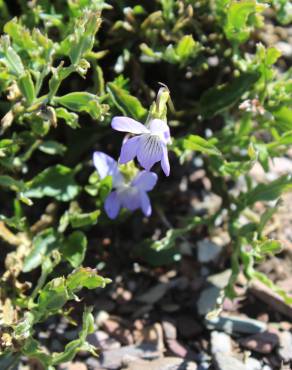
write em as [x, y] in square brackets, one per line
[131, 195]
[150, 144]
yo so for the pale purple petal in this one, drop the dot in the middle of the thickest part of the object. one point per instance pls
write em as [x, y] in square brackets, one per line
[107, 166]
[145, 180]
[130, 198]
[149, 151]
[112, 205]
[145, 204]
[104, 164]
[129, 149]
[160, 128]
[165, 161]
[126, 124]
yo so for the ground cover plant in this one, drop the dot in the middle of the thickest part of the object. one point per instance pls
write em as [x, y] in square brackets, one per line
[132, 137]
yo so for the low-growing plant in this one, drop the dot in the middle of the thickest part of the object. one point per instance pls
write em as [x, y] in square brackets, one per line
[72, 73]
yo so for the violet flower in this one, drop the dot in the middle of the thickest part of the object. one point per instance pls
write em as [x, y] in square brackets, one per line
[150, 144]
[132, 195]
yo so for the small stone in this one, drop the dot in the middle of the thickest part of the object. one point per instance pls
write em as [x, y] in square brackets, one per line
[220, 342]
[169, 329]
[104, 304]
[285, 349]
[224, 361]
[101, 317]
[113, 328]
[73, 366]
[166, 363]
[271, 298]
[220, 280]
[154, 294]
[252, 364]
[176, 348]
[170, 307]
[208, 297]
[207, 300]
[93, 364]
[101, 339]
[207, 251]
[286, 284]
[236, 325]
[56, 346]
[114, 359]
[285, 48]
[263, 342]
[71, 334]
[268, 367]
[285, 325]
[204, 366]
[263, 317]
[188, 327]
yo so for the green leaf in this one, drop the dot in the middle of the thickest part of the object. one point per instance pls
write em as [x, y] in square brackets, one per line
[74, 248]
[272, 55]
[20, 35]
[42, 246]
[270, 247]
[197, 143]
[70, 118]
[185, 47]
[26, 86]
[183, 51]
[52, 147]
[23, 329]
[82, 40]
[85, 278]
[129, 105]
[270, 191]
[283, 11]
[52, 297]
[84, 219]
[236, 168]
[285, 139]
[81, 102]
[80, 344]
[283, 117]
[239, 22]
[220, 98]
[10, 58]
[8, 359]
[56, 182]
[33, 349]
[12, 184]
[266, 216]
[58, 291]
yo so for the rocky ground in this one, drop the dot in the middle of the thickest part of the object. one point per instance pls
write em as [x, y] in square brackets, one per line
[156, 318]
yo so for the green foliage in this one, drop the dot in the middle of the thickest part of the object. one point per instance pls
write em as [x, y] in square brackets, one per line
[126, 103]
[57, 182]
[241, 17]
[66, 69]
[197, 143]
[222, 97]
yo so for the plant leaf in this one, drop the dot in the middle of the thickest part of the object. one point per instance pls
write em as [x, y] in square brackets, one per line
[126, 103]
[56, 182]
[74, 248]
[197, 143]
[220, 98]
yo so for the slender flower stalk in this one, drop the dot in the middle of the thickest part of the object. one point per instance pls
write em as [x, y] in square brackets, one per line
[131, 195]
